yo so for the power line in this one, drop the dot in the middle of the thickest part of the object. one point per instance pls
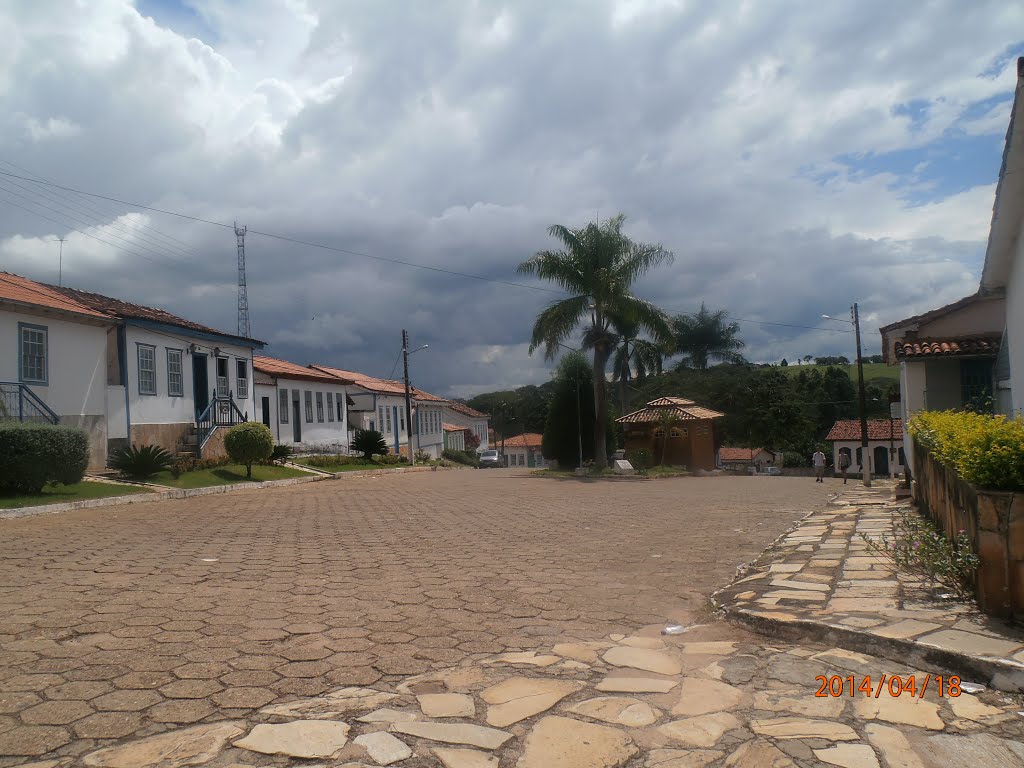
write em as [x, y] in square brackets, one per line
[39, 179]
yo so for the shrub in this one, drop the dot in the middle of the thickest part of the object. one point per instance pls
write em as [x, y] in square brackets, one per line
[919, 548]
[796, 459]
[281, 453]
[986, 451]
[422, 457]
[248, 443]
[390, 458]
[640, 458]
[369, 442]
[461, 457]
[32, 455]
[140, 462]
[183, 464]
[330, 460]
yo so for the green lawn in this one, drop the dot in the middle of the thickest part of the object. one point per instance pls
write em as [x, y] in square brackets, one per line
[58, 494]
[346, 467]
[226, 475]
[871, 370]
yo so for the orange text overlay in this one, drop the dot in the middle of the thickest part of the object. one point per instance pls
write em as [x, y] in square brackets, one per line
[887, 685]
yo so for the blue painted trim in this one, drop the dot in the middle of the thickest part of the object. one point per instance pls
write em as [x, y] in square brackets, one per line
[181, 353]
[45, 382]
[138, 362]
[194, 334]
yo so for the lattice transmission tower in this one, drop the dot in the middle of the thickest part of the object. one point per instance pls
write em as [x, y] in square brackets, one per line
[243, 297]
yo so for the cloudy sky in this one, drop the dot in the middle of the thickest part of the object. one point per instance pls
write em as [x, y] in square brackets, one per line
[796, 157]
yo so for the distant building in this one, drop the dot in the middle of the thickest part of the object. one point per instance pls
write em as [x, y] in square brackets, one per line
[886, 455]
[688, 440]
[745, 458]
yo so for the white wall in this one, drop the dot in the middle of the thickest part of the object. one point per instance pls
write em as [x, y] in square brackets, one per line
[76, 359]
[853, 445]
[1015, 328]
[161, 408]
[326, 434]
[430, 415]
[913, 383]
[394, 414]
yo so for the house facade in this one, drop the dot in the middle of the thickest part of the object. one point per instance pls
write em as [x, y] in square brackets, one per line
[304, 408]
[127, 373]
[454, 437]
[744, 458]
[478, 423]
[675, 430]
[524, 451]
[886, 453]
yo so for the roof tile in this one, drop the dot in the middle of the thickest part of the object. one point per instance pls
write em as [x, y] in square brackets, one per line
[24, 291]
[878, 429]
[285, 369]
[981, 345]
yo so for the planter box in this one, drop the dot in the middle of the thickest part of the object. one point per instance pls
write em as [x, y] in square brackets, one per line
[993, 520]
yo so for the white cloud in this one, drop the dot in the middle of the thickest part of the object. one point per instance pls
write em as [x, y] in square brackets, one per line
[454, 134]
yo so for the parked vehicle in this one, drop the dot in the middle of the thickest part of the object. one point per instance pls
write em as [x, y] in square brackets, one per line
[771, 471]
[490, 458]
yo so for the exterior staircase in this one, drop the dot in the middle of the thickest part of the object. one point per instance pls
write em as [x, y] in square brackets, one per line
[19, 403]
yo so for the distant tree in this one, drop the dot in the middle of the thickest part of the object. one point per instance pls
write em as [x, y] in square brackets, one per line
[706, 336]
[597, 265]
[808, 358]
[784, 363]
[574, 378]
[836, 360]
[633, 354]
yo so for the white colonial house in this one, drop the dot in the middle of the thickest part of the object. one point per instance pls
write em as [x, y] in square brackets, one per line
[126, 372]
[462, 415]
[524, 450]
[304, 407]
[886, 456]
[454, 437]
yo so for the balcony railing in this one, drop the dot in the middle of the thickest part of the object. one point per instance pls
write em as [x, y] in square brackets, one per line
[19, 403]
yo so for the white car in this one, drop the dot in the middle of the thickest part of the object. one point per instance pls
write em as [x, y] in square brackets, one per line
[490, 458]
[771, 471]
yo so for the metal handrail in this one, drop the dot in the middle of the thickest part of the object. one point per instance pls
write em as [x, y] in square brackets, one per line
[19, 403]
[208, 421]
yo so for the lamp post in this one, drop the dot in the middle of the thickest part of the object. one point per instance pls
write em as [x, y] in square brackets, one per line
[865, 458]
[408, 398]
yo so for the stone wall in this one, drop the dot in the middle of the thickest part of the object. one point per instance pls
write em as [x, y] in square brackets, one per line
[214, 448]
[167, 436]
[994, 522]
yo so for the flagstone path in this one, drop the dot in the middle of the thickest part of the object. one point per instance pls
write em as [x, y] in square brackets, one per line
[822, 580]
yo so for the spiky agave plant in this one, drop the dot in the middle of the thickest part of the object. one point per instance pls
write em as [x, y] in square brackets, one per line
[140, 462]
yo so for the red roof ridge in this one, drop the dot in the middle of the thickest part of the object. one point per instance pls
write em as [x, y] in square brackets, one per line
[276, 367]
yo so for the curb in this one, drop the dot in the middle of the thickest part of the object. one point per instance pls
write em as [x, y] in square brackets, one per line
[999, 674]
[189, 493]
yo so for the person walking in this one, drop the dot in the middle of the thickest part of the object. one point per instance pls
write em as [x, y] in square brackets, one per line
[844, 464]
[818, 460]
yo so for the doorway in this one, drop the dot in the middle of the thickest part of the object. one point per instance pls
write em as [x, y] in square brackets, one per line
[200, 384]
[296, 421]
[265, 405]
[881, 460]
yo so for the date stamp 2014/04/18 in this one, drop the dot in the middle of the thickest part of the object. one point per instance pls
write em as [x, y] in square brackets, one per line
[887, 685]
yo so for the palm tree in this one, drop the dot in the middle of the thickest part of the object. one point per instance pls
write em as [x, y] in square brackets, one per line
[598, 265]
[705, 336]
[633, 354]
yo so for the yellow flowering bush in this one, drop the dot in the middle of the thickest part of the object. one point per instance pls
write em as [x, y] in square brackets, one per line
[986, 451]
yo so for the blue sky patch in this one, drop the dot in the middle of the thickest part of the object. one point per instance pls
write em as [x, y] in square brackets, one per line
[180, 16]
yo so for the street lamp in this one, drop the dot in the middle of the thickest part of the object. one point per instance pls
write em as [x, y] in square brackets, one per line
[408, 399]
[865, 460]
[579, 418]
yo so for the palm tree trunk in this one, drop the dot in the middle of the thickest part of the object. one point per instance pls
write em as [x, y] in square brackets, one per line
[623, 380]
[600, 406]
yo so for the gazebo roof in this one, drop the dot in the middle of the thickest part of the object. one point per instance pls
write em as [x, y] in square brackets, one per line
[679, 407]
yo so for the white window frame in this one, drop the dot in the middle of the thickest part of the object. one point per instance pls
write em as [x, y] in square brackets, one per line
[151, 349]
[380, 418]
[308, 403]
[387, 417]
[175, 380]
[283, 406]
[241, 382]
[43, 360]
[330, 407]
[339, 403]
[223, 382]
[320, 407]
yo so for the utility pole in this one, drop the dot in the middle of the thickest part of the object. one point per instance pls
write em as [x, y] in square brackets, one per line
[579, 421]
[865, 454]
[408, 397]
[60, 262]
[243, 298]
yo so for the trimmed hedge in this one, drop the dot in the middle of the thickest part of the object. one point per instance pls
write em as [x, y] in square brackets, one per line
[248, 443]
[986, 451]
[461, 457]
[33, 455]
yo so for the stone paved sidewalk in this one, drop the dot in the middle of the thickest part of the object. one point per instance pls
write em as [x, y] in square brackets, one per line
[822, 581]
[641, 701]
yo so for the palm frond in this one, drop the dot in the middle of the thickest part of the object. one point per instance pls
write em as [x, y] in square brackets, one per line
[556, 323]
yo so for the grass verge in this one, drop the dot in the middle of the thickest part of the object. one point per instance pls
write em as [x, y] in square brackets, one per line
[227, 475]
[60, 494]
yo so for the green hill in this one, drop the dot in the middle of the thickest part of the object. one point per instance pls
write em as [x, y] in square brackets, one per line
[871, 370]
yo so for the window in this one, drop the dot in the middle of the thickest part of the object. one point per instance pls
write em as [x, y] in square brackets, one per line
[678, 432]
[282, 406]
[387, 419]
[309, 407]
[175, 378]
[330, 406]
[320, 407]
[33, 353]
[401, 418]
[659, 432]
[242, 377]
[222, 377]
[380, 417]
[147, 369]
[339, 401]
